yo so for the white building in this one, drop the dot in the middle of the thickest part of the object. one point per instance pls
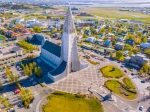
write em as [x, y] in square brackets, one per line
[64, 59]
[33, 22]
[91, 39]
[19, 20]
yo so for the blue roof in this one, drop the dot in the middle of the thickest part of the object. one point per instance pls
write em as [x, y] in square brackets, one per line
[52, 48]
[129, 41]
[145, 45]
[108, 42]
[60, 69]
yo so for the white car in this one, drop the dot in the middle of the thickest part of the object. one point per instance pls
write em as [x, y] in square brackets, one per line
[4, 95]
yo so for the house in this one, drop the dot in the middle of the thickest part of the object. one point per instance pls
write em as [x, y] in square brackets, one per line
[119, 39]
[100, 41]
[91, 39]
[119, 46]
[19, 20]
[110, 36]
[101, 36]
[130, 42]
[145, 45]
[137, 60]
[126, 52]
[108, 43]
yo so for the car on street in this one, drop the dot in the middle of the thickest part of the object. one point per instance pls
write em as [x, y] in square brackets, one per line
[118, 61]
[20, 104]
[125, 71]
[121, 66]
[141, 108]
[16, 90]
[132, 74]
[34, 83]
[5, 76]
[142, 81]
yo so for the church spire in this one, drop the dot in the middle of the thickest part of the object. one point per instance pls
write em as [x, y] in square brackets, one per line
[69, 26]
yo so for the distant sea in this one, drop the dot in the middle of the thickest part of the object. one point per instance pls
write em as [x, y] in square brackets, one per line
[144, 4]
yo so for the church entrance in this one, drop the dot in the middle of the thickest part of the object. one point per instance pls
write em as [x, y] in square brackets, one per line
[71, 67]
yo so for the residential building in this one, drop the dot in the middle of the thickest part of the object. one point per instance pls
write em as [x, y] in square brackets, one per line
[91, 39]
[145, 45]
[119, 46]
[137, 60]
[130, 42]
[108, 43]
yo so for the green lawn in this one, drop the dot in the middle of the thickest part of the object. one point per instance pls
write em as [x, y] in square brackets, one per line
[111, 72]
[71, 103]
[114, 86]
[129, 83]
[114, 13]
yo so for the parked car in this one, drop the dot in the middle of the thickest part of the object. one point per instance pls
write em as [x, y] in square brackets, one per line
[141, 108]
[20, 104]
[125, 71]
[142, 81]
[118, 61]
[16, 90]
[132, 74]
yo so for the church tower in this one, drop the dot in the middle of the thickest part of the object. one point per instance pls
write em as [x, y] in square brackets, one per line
[69, 51]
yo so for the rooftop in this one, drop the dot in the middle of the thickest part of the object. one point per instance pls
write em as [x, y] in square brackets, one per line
[60, 69]
[53, 48]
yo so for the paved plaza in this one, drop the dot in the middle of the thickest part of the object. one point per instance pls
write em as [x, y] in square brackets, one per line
[90, 77]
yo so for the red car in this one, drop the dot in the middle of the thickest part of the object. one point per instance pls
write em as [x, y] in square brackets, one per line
[16, 90]
[125, 71]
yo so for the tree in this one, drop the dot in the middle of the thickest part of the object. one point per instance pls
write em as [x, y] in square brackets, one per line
[102, 30]
[37, 29]
[128, 47]
[145, 68]
[26, 95]
[39, 72]
[147, 52]
[85, 36]
[144, 39]
[113, 41]
[1, 85]
[26, 69]
[34, 64]
[12, 78]
[119, 54]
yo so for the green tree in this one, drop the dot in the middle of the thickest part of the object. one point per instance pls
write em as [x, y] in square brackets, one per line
[113, 41]
[85, 36]
[12, 78]
[34, 64]
[145, 68]
[119, 54]
[128, 47]
[26, 69]
[144, 39]
[37, 29]
[1, 85]
[147, 52]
